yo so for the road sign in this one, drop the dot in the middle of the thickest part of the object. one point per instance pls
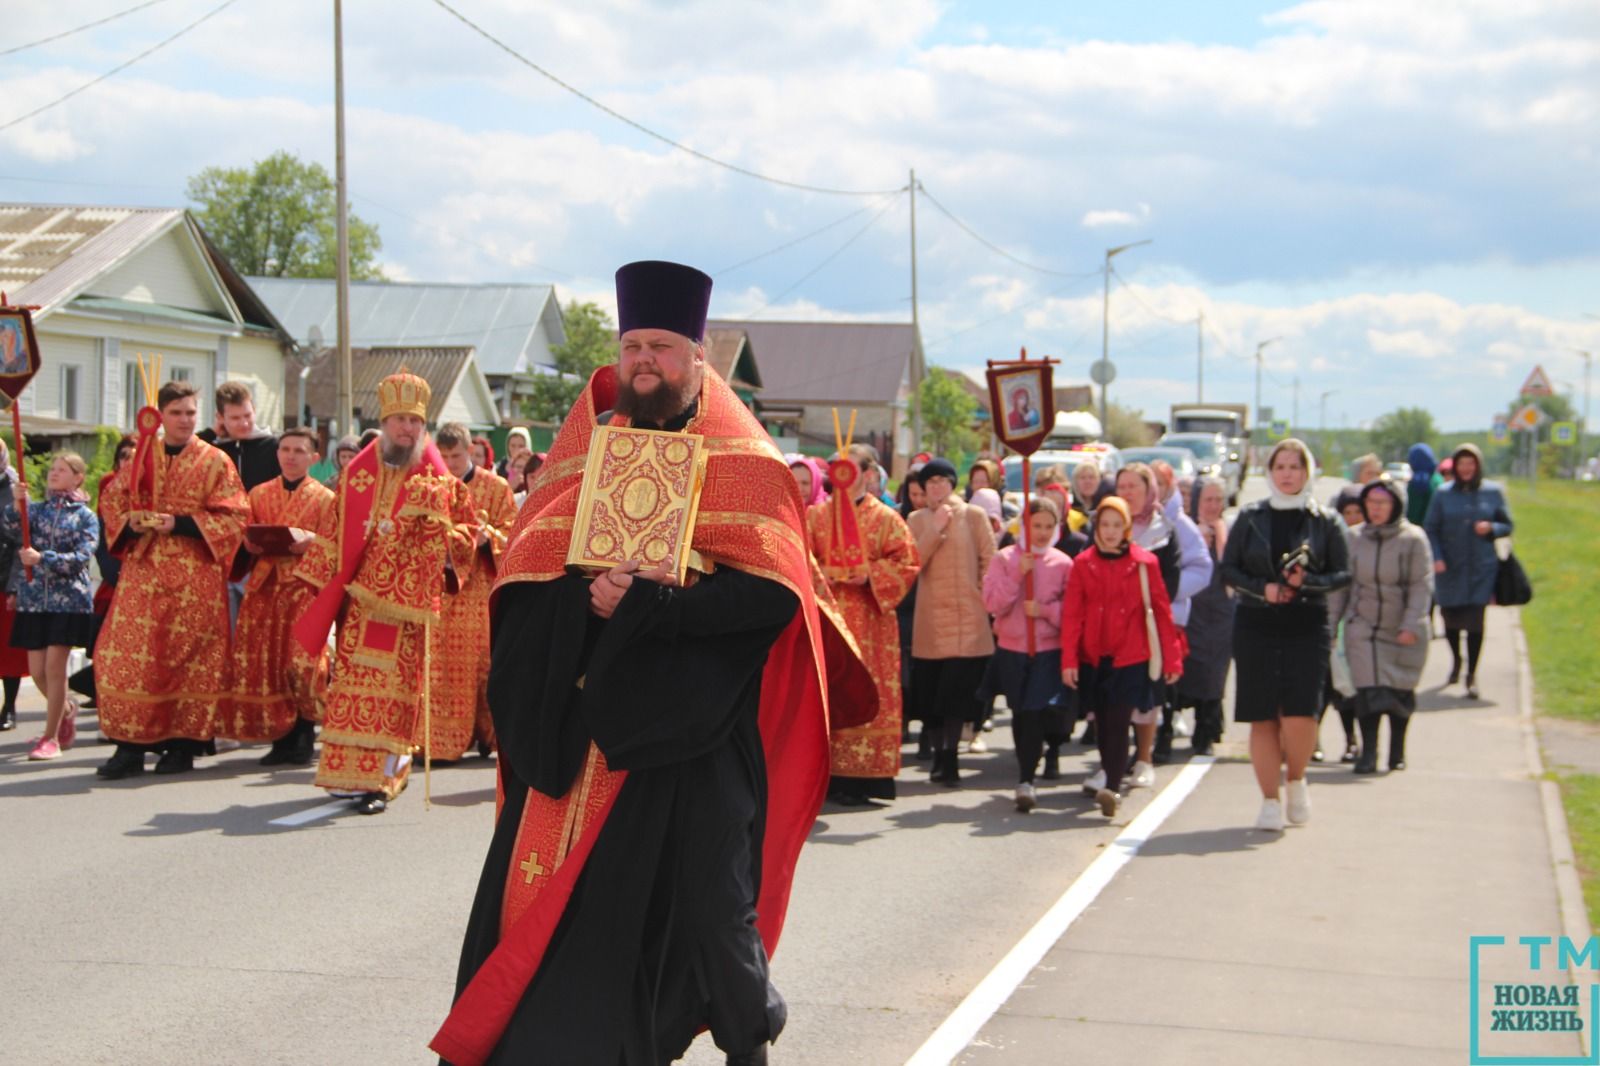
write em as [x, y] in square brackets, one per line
[1102, 372]
[1564, 433]
[1500, 432]
[1278, 429]
[1263, 415]
[1538, 384]
[1527, 419]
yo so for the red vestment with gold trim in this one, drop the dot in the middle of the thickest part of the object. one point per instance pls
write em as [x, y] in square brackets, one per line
[275, 681]
[162, 662]
[750, 519]
[382, 572]
[890, 554]
[460, 652]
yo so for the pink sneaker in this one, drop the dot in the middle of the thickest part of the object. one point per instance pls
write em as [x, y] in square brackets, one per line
[45, 749]
[69, 726]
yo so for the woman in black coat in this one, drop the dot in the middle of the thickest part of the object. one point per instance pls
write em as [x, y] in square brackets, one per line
[1284, 555]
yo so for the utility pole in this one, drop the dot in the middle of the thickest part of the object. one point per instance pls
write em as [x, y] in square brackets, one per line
[1294, 420]
[1105, 330]
[1583, 427]
[1322, 422]
[918, 371]
[1200, 358]
[346, 408]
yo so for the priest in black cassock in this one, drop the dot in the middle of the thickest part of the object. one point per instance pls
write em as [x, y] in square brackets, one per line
[663, 748]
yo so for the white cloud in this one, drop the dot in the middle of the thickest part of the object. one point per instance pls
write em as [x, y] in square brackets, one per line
[1410, 343]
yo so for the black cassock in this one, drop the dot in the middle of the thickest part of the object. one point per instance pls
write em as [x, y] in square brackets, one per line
[659, 937]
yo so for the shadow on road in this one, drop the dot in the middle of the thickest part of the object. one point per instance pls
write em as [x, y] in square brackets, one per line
[237, 820]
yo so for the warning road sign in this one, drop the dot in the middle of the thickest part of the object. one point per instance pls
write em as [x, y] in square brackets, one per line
[1538, 384]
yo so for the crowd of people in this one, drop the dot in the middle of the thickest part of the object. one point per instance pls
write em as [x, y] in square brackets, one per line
[1122, 602]
[1116, 602]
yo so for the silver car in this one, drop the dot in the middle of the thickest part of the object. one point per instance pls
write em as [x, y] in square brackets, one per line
[1215, 456]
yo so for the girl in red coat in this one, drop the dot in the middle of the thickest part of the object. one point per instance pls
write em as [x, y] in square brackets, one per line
[1105, 649]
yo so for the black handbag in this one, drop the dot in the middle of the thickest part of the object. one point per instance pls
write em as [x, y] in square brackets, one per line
[1511, 585]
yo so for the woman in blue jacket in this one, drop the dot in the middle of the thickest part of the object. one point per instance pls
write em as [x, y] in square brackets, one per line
[55, 605]
[1464, 518]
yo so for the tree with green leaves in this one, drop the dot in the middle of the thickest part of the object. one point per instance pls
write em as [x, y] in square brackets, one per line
[591, 343]
[279, 218]
[1393, 434]
[1126, 427]
[947, 413]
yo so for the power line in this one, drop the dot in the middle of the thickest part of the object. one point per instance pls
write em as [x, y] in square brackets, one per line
[798, 240]
[995, 248]
[857, 235]
[14, 49]
[120, 66]
[646, 130]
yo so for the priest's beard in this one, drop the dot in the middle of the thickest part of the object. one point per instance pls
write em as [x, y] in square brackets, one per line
[665, 402]
[402, 456]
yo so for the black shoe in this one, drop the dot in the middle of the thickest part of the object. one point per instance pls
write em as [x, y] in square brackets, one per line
[758, 1057]
[1472, 687]
[303, 752]
[848, 799]
[1052, 766]
[485, 749]
[127, 762]
[1367, 763]
[175, 761]
[372, 803]
[1351, 753]
[8, 719]
[1455, 675]
[1401, 765]
[281, 753]
[1201, 744]
[1089, 738]
[1161, 754]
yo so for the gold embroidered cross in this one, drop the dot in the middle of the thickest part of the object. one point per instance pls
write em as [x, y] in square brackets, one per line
[530, 868]
[362, 480]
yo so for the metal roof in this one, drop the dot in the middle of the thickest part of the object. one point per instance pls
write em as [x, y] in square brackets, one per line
[861, 363]
[442, 368]
[48, 253]
[499, 321]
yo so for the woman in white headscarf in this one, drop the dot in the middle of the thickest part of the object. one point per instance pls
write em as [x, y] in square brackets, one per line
[1284, 556]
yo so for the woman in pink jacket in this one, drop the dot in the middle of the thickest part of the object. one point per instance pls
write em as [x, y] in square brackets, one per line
[1031, 682]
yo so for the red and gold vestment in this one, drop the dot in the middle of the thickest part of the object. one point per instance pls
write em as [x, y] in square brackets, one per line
[275, 681]
[890, 555]
[162, 662]
[460, 652]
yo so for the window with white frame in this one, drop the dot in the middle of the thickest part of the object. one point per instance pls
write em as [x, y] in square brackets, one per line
[70, 375]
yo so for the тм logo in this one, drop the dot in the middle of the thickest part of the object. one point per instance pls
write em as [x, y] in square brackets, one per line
[1543, 1003]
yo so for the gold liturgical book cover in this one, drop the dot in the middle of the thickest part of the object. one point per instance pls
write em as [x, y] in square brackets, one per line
[640, 494]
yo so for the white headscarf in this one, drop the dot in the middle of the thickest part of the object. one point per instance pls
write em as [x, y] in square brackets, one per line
[1304, 498]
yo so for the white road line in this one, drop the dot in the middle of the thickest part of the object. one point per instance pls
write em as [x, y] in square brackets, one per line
[314, 813]
[964, 1023]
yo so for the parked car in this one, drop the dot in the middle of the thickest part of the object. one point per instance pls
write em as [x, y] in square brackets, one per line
[1400, 472]
[1182, 459]
[1216, 456]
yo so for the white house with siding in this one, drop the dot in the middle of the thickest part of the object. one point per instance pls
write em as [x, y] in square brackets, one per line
[114, 282]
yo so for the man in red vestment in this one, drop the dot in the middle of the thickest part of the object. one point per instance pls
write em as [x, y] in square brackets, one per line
[401, 519]
[663, 748]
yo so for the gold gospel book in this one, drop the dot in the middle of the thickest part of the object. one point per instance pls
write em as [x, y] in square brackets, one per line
[640, 495]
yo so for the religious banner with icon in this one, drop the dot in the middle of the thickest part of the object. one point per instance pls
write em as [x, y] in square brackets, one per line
[1022, 402]
[19, 362]
[640, 495]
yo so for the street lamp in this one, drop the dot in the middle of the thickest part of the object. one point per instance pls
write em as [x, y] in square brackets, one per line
[1583, 427]
[1105, 328]
[1259, 346]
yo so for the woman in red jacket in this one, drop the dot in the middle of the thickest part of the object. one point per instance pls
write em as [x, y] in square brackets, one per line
[1105, 647]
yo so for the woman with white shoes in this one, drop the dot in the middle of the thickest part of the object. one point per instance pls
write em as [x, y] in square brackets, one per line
[1117, 638]
[1284, 556]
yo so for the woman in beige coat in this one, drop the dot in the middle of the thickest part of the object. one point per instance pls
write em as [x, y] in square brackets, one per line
[1385, 613]
[950, 638]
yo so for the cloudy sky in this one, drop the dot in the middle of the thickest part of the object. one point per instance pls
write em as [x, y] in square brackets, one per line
[1405, 193]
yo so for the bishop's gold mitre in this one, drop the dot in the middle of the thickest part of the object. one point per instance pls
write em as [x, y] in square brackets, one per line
[403, 394]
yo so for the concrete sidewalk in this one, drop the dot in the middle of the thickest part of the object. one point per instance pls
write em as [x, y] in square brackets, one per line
[1341, 940]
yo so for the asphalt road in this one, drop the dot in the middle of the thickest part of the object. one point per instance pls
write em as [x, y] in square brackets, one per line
[167, 920]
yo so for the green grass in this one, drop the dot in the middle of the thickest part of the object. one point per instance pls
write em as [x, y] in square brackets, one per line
[1558, 541]
[1580, 795]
